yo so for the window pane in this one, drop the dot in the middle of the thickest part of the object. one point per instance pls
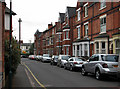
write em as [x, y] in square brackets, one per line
[103, 45]
[97, 45]
[79, 15]
[86, 29]
[79, 32]
[118, 43]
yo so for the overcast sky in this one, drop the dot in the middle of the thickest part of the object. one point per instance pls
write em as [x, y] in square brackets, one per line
[36, 14]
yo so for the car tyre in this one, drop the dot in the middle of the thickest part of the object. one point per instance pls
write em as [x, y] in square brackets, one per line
[83, 72]
[71, 68]
[98, 74]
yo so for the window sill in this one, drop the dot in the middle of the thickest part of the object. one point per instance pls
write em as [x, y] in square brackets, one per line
[102, 8]
[86, 16]
[78, 38]
[65, 39]
[102, 32]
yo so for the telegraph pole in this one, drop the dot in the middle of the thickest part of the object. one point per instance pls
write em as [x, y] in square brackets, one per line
[19, 31]
[10, 46]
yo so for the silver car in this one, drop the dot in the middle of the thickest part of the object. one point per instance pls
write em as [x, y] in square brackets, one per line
[74, 63]
[101, 64]
[62, 60]
[46, 58]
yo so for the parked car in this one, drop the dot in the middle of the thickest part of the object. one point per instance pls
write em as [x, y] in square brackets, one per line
[46, 58]
[54, 60]
[62, 60]
[118, 75]
[33, 57]
[101, 64]
[74, 63]
[38, 57]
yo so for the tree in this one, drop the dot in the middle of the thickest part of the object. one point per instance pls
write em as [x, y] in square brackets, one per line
[15, 55]
[31, 50]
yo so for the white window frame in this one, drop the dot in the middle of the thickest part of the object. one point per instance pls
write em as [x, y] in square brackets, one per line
[86, 30]
[103, 25]
[102, 4]
[86, 10]
[67, 50]
[116, 48]
[103, 49]
[78, 14]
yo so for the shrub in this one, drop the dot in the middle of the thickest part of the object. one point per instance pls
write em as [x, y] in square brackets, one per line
[15, 56]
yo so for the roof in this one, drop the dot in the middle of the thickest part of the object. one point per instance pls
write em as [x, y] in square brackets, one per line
[71, 11]
[26, 44]
[7, 11]
[49, 29]
[62, 16]
[82, 40]
[102, 35]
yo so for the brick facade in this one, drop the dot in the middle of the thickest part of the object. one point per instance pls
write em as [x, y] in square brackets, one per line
[2, 28]
[88, 28]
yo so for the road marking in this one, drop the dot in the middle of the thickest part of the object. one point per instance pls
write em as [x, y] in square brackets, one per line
[32, 83]
[35, 77]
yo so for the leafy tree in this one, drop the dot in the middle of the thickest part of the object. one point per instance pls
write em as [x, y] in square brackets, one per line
[15, 56]
[31, 50]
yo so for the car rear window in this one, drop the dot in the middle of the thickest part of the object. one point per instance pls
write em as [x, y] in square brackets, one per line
[111, 58]
[78, 59]
[45, 55]
[65, 57]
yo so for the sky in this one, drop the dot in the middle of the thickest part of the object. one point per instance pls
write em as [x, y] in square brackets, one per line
[36, 14]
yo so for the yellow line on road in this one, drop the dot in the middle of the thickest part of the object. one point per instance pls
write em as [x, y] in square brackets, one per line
[35, 77]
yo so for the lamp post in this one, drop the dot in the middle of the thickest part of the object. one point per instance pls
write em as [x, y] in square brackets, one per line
[19, 31]
[10, 46]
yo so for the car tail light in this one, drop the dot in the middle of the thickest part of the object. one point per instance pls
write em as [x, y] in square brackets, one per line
[81, 63]
[105, 66]
[75, 63]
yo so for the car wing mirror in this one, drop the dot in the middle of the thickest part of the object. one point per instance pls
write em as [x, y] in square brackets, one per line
[88, 61]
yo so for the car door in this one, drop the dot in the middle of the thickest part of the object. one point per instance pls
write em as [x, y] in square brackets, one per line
[93, 63]
[89, 64]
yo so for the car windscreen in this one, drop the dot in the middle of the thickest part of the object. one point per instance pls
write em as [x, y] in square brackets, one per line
[65, 57]
[111, 58]
[78, 59]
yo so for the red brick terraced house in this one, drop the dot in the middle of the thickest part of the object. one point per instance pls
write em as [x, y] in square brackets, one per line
[37, 42]
[97, 26]
[2, 29]
[67, 31]
[59, 37]
[7, 22]
[49, 40]
[89, 28]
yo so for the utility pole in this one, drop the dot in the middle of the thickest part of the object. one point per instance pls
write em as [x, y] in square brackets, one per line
[19, 31]
[10, 46]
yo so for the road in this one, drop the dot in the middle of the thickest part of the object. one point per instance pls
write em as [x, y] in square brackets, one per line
[44, 75]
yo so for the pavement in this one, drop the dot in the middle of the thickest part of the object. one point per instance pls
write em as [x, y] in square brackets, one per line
[20, 79]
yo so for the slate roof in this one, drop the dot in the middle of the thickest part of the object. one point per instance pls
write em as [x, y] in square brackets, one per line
[38, 33]
[62, 16]
[7, 11]
[71, 11]
[102, 36]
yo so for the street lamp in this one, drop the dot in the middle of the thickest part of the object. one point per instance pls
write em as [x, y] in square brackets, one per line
[10, 46]
[19, 31]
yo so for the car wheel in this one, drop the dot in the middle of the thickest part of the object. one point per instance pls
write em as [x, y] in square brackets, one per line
[65, 67]
[71, 68]
[83, 72]
[60, 65]
[97, 74]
